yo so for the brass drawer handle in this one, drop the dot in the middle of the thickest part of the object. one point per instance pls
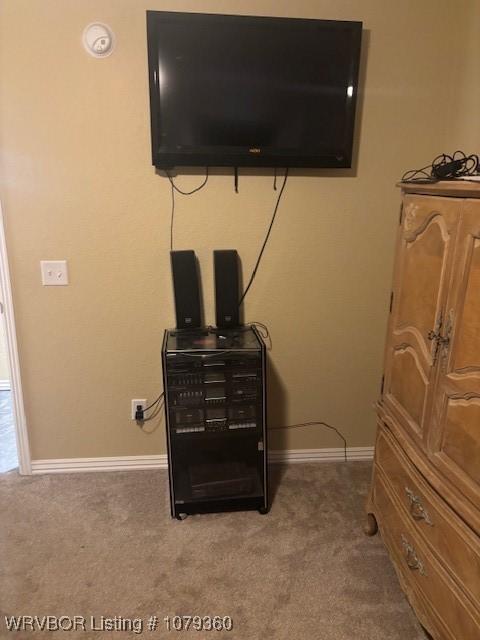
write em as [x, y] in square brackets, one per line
[411, 557]
[417, 510]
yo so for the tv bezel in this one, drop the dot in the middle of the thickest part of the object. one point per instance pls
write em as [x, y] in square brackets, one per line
[245, 158]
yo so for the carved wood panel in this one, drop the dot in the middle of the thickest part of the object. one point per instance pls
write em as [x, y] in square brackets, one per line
[422, 273]
[408, 384]
[467, 347]
[455, 429]
[461, 442]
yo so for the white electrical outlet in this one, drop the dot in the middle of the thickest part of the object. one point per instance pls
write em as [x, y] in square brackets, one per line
[135, 403]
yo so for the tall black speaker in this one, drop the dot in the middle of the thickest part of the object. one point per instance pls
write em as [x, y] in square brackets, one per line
[186, 289]
[227, 293]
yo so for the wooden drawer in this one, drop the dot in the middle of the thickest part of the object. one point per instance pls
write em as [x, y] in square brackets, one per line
[454, 543]
[439, 482]
[455, 616]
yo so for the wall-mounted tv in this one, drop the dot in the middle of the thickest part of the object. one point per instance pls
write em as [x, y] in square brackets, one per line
[251, 91]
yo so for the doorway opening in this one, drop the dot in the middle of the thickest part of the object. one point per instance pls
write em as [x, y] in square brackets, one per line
[14, 445]
[8, 441]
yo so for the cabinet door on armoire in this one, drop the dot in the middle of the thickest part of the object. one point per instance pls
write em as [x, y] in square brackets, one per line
[422, 272]
[454, 439]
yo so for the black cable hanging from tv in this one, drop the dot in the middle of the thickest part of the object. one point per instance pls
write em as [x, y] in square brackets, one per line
[257, 264]
[184, 193]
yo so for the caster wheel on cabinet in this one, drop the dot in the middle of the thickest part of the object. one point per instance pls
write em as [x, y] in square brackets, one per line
[263, 510]
[181, 516]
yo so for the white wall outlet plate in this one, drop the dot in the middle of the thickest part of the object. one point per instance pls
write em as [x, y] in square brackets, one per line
[135, 403]
[54, 272]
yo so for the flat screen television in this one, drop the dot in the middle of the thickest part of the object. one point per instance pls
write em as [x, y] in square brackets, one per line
[251, 91]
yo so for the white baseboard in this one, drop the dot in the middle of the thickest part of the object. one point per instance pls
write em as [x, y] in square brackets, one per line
[120, 463]
[4, 385]
[136, 463]
[298, 456]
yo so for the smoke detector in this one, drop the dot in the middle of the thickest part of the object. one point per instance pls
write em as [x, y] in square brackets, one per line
[98, 40]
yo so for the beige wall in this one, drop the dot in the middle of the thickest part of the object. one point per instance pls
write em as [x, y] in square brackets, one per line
[465, 133]
[77, 184]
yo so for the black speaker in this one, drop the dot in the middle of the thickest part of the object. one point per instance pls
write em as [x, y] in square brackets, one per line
[227, 293]
[186, 289]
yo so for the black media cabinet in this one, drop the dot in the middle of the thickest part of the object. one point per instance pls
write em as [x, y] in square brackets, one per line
[215, 409]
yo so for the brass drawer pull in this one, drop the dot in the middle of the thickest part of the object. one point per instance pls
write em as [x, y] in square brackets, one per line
[417, 510]
[411, 557]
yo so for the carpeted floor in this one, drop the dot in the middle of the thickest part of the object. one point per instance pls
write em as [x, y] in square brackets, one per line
[104, 544]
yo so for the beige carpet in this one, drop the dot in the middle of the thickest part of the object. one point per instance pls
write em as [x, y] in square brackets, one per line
[104, 544]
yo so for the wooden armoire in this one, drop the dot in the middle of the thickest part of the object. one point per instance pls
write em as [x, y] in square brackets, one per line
[425, 493]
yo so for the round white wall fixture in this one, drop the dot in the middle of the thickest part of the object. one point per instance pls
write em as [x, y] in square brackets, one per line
[98, 40]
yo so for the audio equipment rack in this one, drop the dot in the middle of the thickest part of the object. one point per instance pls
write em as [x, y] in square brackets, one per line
[215, 409]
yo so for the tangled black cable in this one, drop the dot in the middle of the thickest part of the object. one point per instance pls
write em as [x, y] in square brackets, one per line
[445, 167]
[263, 331]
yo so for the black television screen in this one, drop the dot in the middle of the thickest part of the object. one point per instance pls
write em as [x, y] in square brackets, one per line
[251, 91]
